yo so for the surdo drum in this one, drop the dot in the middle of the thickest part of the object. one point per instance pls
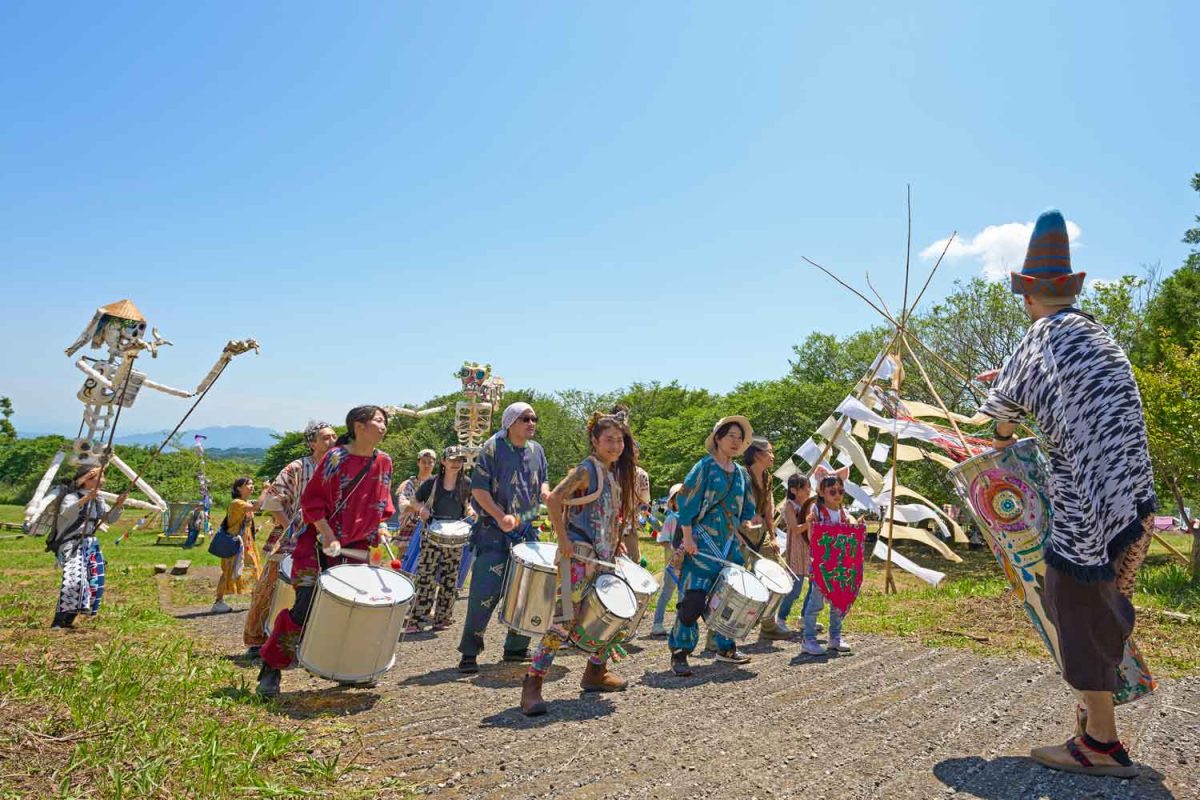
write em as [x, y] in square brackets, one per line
[736, 602]
[354, 623]
[451, 534]
[530, 588]
[605, 612]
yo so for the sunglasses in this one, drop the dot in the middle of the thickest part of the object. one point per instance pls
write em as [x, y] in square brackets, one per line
[527, 418]
[834, 490]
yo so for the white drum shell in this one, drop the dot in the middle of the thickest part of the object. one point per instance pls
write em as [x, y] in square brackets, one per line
[644, 585]
[736, 603]
[776, 579]
[530, 588]
[350, 636]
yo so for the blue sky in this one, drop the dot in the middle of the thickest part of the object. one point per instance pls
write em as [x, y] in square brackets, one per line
[583, 195]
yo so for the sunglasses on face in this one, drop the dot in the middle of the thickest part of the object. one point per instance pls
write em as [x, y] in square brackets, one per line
[528, 418]
[835, 490]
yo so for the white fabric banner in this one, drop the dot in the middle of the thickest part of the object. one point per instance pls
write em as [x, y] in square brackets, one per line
[930, 576]
[854, 409]
[786, 470]
[880, 453]
[809, 452]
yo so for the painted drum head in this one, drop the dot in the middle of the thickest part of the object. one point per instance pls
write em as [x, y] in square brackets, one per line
[1005, 501]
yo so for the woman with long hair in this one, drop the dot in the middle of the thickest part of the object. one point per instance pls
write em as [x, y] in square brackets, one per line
[587, 509]
[74, 511]
[715, 500]
[759, 459]
[441, 497]
[345, 505]
[796, 509]
[240, 572]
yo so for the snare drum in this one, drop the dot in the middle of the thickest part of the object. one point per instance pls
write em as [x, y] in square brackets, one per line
[530, 588]
[355, 620]
[736, 602]
[605, 612]
[451, 534]
[282, 594]
[643, 584]
[778, 582]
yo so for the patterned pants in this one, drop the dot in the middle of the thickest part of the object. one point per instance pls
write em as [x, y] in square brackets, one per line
[437, 573]
[82, 576]
[1132, 559]
[543, 654]
[254, 633]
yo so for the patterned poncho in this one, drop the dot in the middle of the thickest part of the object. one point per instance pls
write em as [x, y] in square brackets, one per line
[1074, 380]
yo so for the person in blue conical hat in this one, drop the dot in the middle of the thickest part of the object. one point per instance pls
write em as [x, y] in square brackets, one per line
[1071, 377]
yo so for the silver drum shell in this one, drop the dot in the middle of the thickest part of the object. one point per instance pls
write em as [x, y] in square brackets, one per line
[731, 613]
[595, 624]
[530, 588]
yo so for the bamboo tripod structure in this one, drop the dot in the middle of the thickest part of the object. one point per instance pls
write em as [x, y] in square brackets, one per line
[897, 348]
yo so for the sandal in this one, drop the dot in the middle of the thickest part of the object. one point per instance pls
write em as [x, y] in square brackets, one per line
[1077, 753]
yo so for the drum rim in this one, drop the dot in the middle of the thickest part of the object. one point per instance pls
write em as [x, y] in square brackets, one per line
[990, 454]
[614, 579]
[354, 602]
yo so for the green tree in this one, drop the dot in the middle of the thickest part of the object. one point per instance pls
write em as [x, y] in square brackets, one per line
[7, 432]
[1175, 309]
[1171, 398]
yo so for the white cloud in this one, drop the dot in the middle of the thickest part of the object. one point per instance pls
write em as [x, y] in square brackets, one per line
[998, 248]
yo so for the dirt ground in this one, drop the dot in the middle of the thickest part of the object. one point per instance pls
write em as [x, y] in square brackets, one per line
[893, 719]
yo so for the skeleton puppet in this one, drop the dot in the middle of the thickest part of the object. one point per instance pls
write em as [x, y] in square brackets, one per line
[112, 383]
[472, 416]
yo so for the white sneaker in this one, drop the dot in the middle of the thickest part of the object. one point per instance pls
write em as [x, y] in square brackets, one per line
[221, 607]
[813, 648]
[839, 644]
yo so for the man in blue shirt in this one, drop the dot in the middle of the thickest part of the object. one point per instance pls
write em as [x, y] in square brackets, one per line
[510, 481]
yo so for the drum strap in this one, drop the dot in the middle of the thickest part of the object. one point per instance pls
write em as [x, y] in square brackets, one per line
[564, 565]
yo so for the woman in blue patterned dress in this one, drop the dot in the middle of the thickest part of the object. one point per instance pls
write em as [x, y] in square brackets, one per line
[717, 497]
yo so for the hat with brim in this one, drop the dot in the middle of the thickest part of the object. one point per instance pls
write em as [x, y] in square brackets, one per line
[674, 491]
[747, 433]
[1047, 269]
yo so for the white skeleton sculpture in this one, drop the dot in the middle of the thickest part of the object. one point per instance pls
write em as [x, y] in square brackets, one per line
[112, 383]
[472, 416]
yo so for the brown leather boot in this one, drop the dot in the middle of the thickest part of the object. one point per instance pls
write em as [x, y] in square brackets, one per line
[597, 678]
[532, 704]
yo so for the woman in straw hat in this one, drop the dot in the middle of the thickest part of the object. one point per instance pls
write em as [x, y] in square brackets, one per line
[715, 500]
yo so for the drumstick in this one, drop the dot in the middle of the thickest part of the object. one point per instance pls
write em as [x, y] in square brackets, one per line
[718, 560]
[595, 561]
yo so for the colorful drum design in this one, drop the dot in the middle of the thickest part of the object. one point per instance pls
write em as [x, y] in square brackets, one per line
[736, 603]
[530, 588]
[355, 621]
[604, 613]
[1006, 491]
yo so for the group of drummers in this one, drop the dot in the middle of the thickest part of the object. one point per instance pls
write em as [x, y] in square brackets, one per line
[329, 603]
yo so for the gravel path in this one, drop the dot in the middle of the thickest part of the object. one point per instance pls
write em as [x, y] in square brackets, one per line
[892, 720]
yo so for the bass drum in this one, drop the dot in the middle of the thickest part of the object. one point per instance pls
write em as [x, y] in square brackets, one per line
[354, 623]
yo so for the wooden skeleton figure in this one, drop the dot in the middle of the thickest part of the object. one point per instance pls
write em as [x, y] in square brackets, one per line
[111, 384]
[472, 416]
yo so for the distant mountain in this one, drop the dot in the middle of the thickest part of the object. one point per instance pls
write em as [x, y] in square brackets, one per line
[224, 437]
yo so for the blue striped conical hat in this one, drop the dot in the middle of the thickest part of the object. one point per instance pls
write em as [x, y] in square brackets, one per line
[1047, 270]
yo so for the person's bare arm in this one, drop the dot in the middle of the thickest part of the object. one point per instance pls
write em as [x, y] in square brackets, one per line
[483, 498]
[578, 479]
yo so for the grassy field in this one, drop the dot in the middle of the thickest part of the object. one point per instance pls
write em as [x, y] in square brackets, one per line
[128, 706]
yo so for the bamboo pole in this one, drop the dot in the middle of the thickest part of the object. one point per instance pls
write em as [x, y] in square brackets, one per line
[1158, 538]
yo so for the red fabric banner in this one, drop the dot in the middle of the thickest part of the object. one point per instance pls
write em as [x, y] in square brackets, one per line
[837, 562]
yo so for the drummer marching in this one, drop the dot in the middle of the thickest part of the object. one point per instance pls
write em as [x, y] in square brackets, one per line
[586, 510]
[345, 506]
